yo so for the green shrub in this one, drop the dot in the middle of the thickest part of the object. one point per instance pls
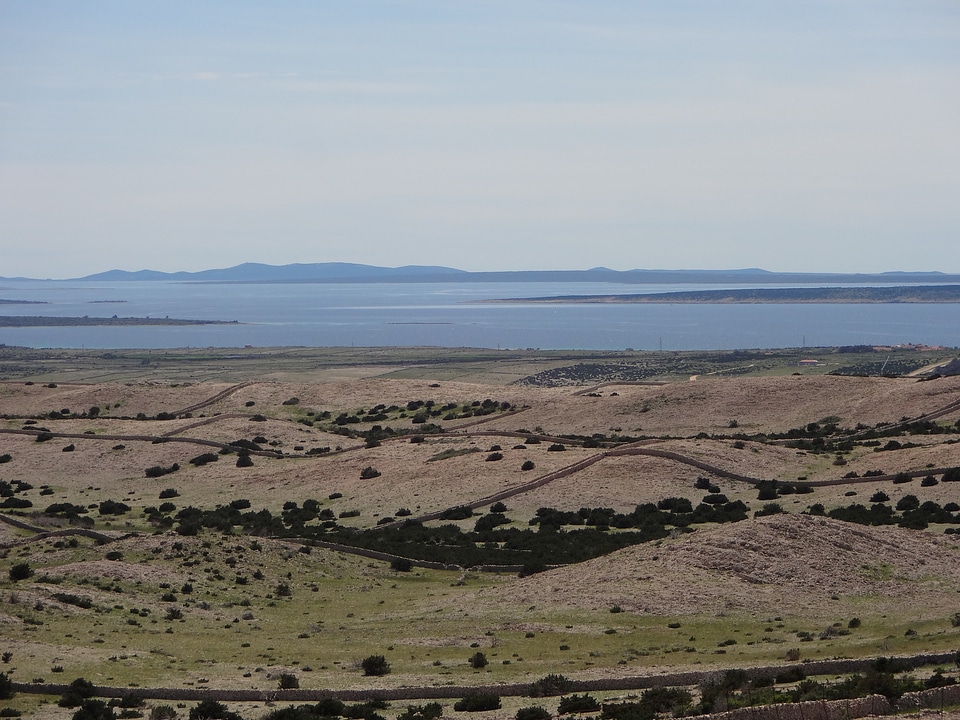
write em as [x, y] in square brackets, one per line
[528, 465]
[78, 691]
[549, 685]
[6, 686]
[430, 711]
[212, 710]
[156, 471]
[112, 507]
[577, 704]
[478, 661]
[534, 712]
[369, 472]
[478, 702]
[375, 665]
[94, 710]
[288, 681]
[401, 564]
[20, 571]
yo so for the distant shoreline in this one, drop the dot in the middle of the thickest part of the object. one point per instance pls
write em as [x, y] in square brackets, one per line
[40, 321]
[874, 295]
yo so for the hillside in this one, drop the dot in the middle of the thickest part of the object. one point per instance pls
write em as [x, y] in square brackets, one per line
[191, 534]
[792, 565]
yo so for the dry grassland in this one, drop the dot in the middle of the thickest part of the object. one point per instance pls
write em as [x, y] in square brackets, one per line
[760, 583]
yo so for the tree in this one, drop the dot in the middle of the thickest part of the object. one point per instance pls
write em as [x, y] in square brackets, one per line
[478, 661]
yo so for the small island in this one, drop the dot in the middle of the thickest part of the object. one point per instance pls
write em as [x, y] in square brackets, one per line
[41, 321]
[899, 294]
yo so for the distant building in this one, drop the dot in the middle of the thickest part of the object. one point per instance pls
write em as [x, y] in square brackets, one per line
[806, 362]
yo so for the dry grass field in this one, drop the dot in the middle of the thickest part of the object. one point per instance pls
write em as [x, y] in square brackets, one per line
[148, 604]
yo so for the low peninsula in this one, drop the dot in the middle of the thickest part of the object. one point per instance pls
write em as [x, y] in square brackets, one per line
[900, 294]
[41, 321]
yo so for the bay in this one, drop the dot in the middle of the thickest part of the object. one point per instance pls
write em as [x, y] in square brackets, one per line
[447, 315]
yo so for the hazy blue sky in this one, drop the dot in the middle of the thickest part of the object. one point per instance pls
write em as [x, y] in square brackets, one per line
[516, 134]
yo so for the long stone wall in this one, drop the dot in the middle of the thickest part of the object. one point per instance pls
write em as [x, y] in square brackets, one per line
[813, 710]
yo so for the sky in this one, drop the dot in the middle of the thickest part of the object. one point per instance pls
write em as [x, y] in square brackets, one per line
[790, 135]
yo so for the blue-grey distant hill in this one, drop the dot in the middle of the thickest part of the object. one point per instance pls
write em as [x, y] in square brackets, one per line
[335, 272]
[296, 272]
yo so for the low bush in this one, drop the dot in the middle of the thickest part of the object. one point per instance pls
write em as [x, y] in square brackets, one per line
[577, 704]
[478, 702]
[549, 685]
[534, 712]
[376, 665]
[159, 471]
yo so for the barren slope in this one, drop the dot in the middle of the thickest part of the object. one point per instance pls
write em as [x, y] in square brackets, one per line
[785, 564]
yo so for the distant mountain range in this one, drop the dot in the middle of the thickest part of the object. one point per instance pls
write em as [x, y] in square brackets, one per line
[356, 273]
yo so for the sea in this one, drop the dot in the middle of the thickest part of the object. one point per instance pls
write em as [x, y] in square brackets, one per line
[452, 315]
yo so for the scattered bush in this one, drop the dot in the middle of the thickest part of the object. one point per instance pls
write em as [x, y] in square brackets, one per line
[212, 710]
[289, 681]
[159, 471]
[401, 564]
[78, 691]
[376, 665]
[549, 685]
[577, 704]
[430, 711]
[478, 702]
[91, 709]
[478, 661]
[20, 571]
[534, 712]
[6, 686]
[112, 507]
[244, 461]
[369, 472]
[528, 465]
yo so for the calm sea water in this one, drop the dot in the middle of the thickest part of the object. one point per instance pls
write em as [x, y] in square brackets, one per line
[446, 315]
